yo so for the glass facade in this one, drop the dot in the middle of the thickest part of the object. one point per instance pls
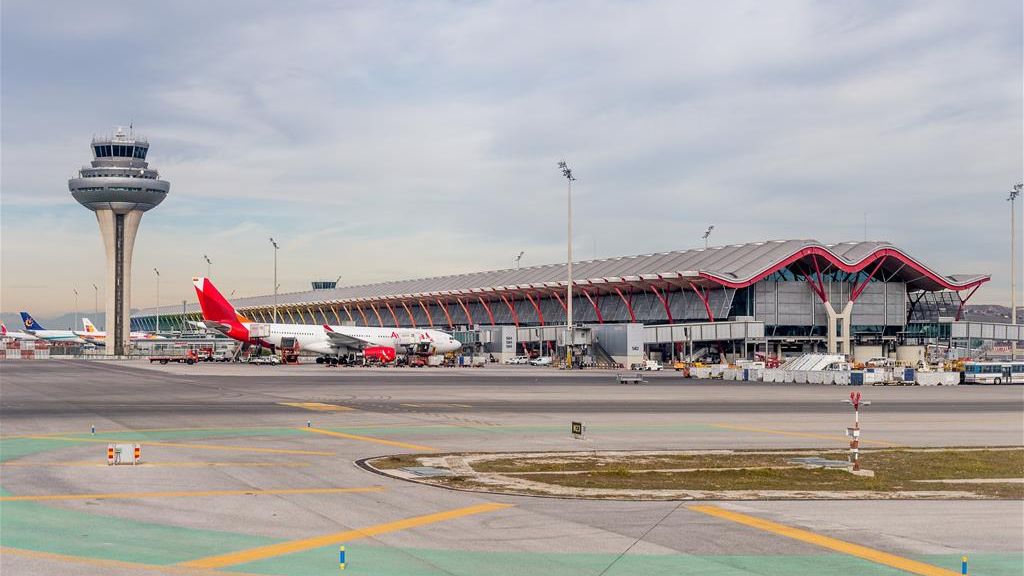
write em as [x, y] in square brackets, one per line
[120, 151]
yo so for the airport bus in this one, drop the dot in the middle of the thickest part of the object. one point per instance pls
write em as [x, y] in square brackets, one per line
[993, 373]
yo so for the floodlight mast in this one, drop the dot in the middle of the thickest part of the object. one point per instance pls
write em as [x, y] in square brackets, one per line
[567, 172]
[707, 234]
[1012, 199]
[276, 248]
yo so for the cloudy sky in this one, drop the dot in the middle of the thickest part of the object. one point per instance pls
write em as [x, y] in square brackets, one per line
[379, 140]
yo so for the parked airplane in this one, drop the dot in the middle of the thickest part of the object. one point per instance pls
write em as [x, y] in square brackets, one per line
[91, 334]
[15, 335]
[332, 342]
[33, 328]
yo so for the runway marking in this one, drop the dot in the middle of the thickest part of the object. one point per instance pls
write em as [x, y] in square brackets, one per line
[272, 550]
[317, 406]
[193, 446]
[371, 439]
[91, 463]
[870, 554]
[120, 564]
[802, 434]
[186, 494]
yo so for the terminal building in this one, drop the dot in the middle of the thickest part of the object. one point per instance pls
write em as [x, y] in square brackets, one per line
[780, 296]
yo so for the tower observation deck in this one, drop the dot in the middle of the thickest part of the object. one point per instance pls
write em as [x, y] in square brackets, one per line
[119, 186]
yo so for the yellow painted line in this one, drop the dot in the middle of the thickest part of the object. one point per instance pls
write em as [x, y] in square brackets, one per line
[118, 564]
[186, 494]
[317, 406]
[272, 550]
[192, 446]
[801, 434]
[103, 464]
[870, 554]
[371, 439]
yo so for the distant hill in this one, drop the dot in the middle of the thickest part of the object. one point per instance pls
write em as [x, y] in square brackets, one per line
[991, 313]
[63, 322]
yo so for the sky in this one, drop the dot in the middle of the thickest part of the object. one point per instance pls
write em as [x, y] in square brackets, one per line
[387, 140]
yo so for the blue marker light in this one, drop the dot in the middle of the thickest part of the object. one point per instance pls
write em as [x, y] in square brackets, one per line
[341, 558]
[963, 564]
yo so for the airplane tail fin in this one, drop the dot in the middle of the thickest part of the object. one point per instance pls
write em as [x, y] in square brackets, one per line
[3, 328]
[87, 324]
[30, 324]
[215, 306]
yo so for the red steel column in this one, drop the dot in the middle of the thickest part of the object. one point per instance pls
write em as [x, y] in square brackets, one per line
[444, 308]
[629, 306]
[487, 308]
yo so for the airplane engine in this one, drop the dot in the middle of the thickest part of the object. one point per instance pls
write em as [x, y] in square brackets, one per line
[382, 354]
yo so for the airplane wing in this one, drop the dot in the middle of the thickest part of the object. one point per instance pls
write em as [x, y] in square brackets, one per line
[344, 340]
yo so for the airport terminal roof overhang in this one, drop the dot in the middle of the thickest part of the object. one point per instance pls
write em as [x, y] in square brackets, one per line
[733, 266]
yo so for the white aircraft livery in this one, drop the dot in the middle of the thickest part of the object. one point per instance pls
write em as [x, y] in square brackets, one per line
[328, 341]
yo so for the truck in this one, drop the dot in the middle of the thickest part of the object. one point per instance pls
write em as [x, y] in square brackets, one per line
[189, 357]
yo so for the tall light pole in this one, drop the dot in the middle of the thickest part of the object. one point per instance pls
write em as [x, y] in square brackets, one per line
[1013, 264]
[75, 290]
[208, 263]
[518, 258]
[707, 234]
[157, 299]
[96, 302]
[276, 247]
[567, 172]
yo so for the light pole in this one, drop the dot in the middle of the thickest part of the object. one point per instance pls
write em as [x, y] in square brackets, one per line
[567, 172]
[1013, 264]
[707, 234]
[75, 290]
[518, 258]
[208, 263]
[96, 302]
[276, 248]
[157, 300]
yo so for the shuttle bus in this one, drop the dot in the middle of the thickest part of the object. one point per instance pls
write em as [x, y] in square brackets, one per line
[993, 373]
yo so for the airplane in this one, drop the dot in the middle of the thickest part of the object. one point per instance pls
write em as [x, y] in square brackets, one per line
[333, 343]
[33, 328]
[15, 335]
[95, 336]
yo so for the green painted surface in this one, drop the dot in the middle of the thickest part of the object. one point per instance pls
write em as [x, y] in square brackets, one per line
[374, 560]
[33, 526]
[516, 429]
[11, 448]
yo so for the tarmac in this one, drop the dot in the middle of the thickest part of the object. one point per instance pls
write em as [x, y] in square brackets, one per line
[250, 469]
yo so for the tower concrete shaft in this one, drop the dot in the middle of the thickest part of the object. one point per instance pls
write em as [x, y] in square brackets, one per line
[118, 231]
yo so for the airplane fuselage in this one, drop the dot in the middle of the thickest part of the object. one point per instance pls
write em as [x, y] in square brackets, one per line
[311, 338]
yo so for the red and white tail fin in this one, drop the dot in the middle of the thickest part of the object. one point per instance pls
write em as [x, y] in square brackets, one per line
[215, 306]
[3, 328]
[87, 324]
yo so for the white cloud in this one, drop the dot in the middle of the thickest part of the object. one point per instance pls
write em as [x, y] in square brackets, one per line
[361, 135]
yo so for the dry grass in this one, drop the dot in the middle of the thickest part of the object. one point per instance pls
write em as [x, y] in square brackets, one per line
[895, 470]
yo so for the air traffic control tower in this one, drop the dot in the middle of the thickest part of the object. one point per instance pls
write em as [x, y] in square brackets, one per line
[119, 186]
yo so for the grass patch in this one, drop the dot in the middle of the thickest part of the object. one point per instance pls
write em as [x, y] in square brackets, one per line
[397, 461]
[651, 462]
[895, 470]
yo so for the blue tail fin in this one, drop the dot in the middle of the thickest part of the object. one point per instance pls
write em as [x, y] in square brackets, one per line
[30, 324]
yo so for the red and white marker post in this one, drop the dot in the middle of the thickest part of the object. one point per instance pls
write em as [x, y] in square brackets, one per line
[854, 433]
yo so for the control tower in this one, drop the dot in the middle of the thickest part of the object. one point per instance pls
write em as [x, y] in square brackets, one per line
[119, 186]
